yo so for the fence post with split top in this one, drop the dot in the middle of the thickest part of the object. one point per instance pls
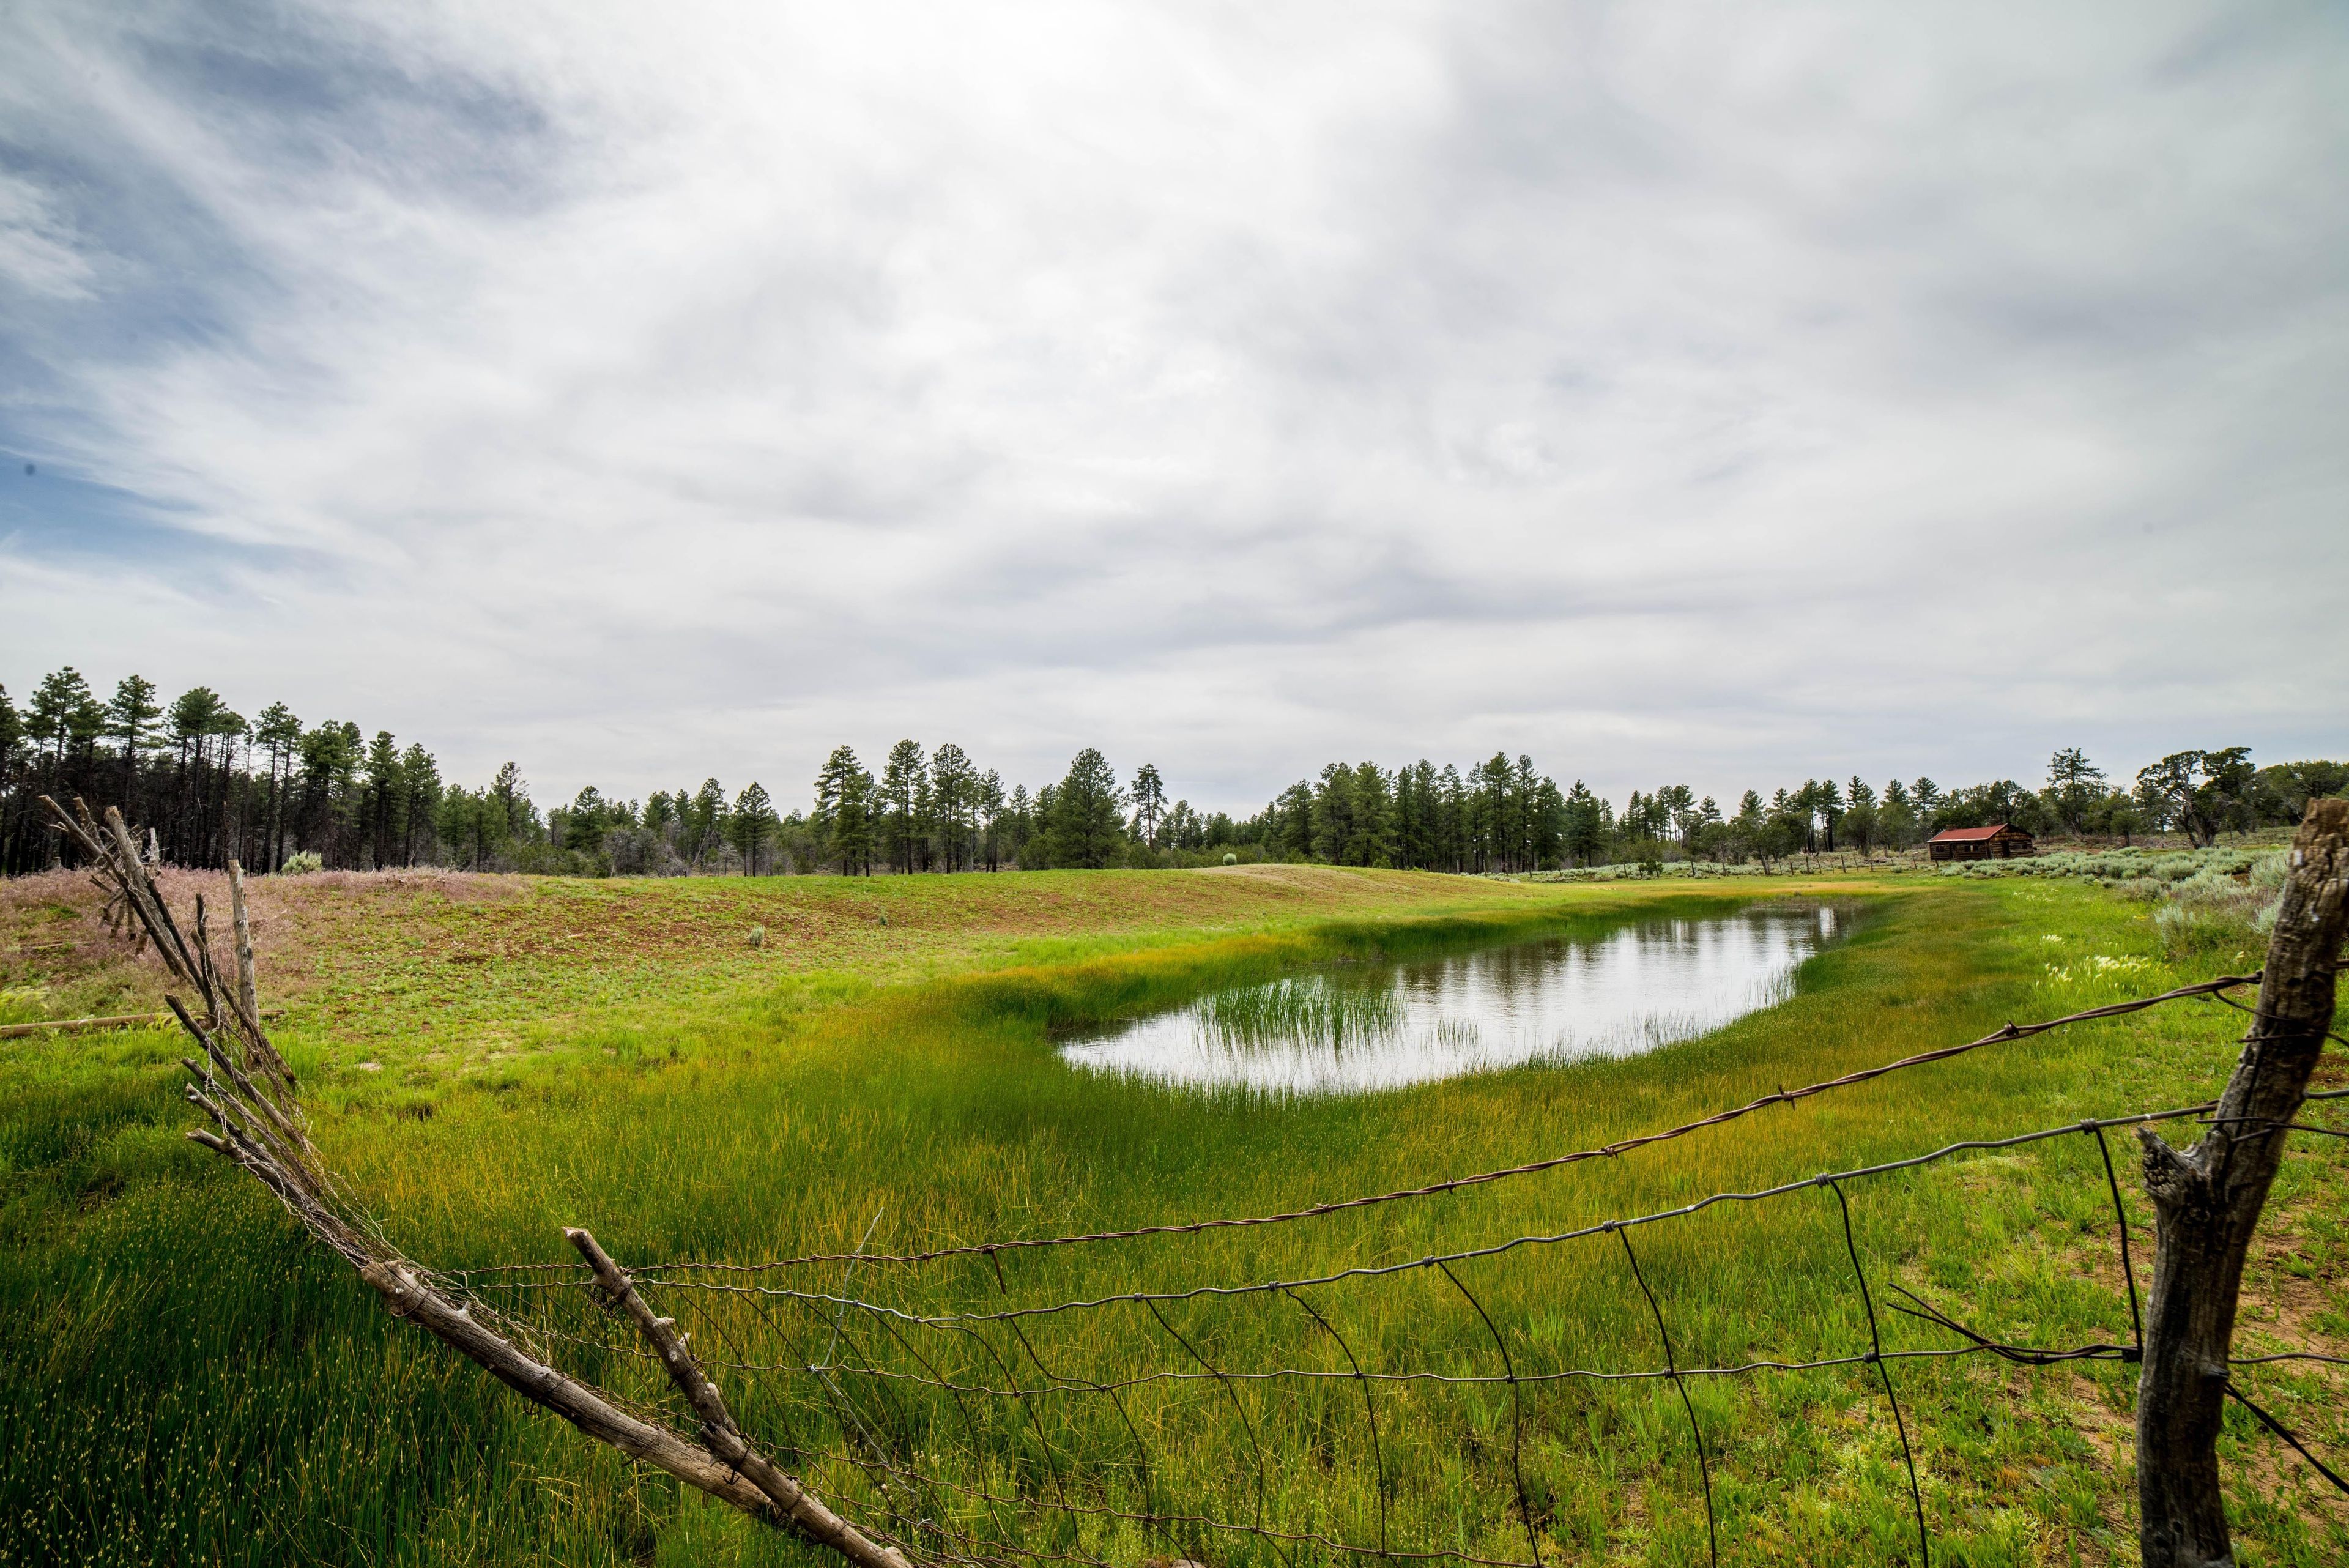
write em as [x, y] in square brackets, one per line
[2206, 1202]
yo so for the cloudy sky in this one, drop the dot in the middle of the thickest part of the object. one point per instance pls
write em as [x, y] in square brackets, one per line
[1726, 393]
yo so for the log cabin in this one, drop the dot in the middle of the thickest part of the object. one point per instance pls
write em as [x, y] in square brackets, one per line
[1999, 841]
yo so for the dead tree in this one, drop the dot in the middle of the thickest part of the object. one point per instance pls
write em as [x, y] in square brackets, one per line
[247, 1091]
[2206, 1202]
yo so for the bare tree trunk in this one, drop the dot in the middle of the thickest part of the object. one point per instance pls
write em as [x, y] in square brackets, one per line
[2206, 1202]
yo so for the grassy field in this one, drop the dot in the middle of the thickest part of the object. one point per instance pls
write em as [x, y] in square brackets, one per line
[453, 975]
[182, 1380]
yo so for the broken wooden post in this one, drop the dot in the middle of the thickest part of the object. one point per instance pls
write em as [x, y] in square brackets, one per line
[719, 1435]
[248, 997]
[248, 1092]
[2206, 1202]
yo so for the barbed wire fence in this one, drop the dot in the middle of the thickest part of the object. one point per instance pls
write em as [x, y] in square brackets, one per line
[963, 1427]
[1173, 1390]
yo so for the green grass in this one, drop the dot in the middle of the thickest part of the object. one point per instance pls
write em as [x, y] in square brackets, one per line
[181, 1379]
[440, 976]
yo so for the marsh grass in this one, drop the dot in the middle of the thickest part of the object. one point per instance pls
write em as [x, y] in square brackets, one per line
[1310, 1007]
[181, 1380]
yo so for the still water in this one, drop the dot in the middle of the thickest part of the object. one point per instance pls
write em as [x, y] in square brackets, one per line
[1562, 1000]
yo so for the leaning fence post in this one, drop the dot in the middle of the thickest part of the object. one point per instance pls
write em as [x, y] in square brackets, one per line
[2206, 1202]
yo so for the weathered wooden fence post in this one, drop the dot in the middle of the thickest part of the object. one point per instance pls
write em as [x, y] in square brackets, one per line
[2206, 1202]
[249, 1093]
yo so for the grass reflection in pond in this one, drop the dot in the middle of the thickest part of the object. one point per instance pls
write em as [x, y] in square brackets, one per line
[1560, 1000]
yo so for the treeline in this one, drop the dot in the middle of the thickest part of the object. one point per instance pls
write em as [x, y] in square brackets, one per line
[207, 783]
[934, 811]
[277, 794]
[1502, 816]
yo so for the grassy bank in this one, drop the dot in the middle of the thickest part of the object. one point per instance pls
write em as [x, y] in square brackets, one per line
[454, 974]
[185, 1382]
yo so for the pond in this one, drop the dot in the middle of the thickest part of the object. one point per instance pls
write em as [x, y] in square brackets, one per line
[1563, 998]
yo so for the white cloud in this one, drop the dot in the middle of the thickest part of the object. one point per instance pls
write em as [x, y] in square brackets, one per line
[1666, 390]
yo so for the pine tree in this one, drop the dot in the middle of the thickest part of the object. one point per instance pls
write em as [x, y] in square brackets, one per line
[62, 719]
[843, 819]
[130, 724]
[1018, 824]
[512, 797]
[1087, 815]
[1545, 840]
[991, 806]
[902, 780]
[457, 823]
[12, 738]
[385, 791]
[1037, 854]
[1293, 812]
[955, 798]
[1417, 805]
[1494, 831]
[419, 778]
[1677, 805]
[1705, 840]
[1640, 823]
[1860, 821]
[1804, 804]
[2074, 784]
[1149, 802]
[583, 822]
[1525, 792]
[754, 824]
[1788, 829]
[1586, 830]
[196, 717]
[280, 732]
[702, 823]
[1375, 817]
[1333, 815]
[14, 772]
[330, 758]
[1896, 819]
[928, 826]
[1749, 829]
[1453, 820]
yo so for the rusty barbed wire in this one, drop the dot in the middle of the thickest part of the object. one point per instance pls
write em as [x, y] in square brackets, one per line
[880, 1395]
[1371, 1270]
[2009, 1033]
[869, 1450]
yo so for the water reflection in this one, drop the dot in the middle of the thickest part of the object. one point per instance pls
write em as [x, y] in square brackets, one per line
[1345, 1030]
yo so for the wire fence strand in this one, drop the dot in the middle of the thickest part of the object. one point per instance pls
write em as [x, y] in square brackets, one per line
[1058, 1425]
[2009, 1033]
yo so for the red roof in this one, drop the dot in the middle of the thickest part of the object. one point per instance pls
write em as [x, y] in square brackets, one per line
[1972, 834]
